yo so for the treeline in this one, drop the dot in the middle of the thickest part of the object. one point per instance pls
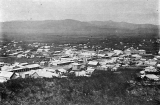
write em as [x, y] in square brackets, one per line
[102, 88]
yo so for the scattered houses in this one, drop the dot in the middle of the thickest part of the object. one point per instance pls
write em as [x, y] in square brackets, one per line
[67, 59]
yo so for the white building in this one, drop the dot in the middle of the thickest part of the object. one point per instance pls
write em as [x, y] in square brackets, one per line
[5, 75]
[80, 73]
[90, 70]
[136, 56]
[142, 52]
[118, 52]
[152, 77]
[93, 63]
[76, 66]
[43, 74]
[150, 69]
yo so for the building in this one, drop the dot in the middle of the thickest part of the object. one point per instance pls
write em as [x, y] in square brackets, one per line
[152, 77]
[150, 70]
[136, 56]
[43, 74]
[80, 73]
[76, 67]
[93, 63]
[151, 62]
[118, 52]
[22, 69]
[142, 52]
[158, 66]
[5, 75]
[128, 52]
[60, 62]
[27, 74]
[90, 70]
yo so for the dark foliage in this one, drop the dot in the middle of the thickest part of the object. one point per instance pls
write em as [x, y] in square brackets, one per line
[102, 88]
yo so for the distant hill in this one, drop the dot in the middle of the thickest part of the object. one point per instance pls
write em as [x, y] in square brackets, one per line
[122, 25]
[74, 27]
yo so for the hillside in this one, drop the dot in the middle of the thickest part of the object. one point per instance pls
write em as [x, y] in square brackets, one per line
[74, 27]
[103, 88]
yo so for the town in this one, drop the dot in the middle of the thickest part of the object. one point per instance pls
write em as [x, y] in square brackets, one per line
[43, 60]
[79, 52]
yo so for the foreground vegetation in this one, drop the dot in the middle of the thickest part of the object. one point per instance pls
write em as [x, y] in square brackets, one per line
[102, 88]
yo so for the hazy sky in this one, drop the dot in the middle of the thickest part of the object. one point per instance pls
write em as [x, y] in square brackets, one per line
[134, 11]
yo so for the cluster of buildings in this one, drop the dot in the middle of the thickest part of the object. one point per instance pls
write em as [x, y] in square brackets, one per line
[152, 70]
[68, 60]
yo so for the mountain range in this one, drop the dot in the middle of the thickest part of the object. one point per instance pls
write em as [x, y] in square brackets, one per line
[75, 27]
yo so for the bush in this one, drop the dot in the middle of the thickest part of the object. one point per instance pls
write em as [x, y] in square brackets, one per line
[100, 89]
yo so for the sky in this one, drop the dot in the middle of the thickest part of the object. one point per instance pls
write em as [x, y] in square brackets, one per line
[133, 11]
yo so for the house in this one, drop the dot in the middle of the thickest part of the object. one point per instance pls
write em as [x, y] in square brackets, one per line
[158, 66]
[2, 64]
[43, 74]
[150, 69]
[134, 51]
[6, 68]
[93, 63]
[90, 70]
[103, 67]
[77, 69]
[131, 51]
[27, 74]
[20, 55]
[128, 52]
[62, 70]
[108, 61]
[139, 63]
[143, 60]
[23, 64]
[50, 70]
[101, 55]
[151, 62]
[43, 49]
[46, 50]
[61, 62]
[46, 47]
[2, 79]
[152, 77]
[157, 57]
[22, 69]
[110, 66]
[118, 52]
[88, 54]
[80, 73]
[5, 75]
[142, 52]
[76, 66]
[114, 69]
[69, 52]
[136, 56]
[110, 54]
[42, 63]
[142, 72]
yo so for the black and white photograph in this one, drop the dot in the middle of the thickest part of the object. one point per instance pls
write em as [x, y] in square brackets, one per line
[79, 52]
